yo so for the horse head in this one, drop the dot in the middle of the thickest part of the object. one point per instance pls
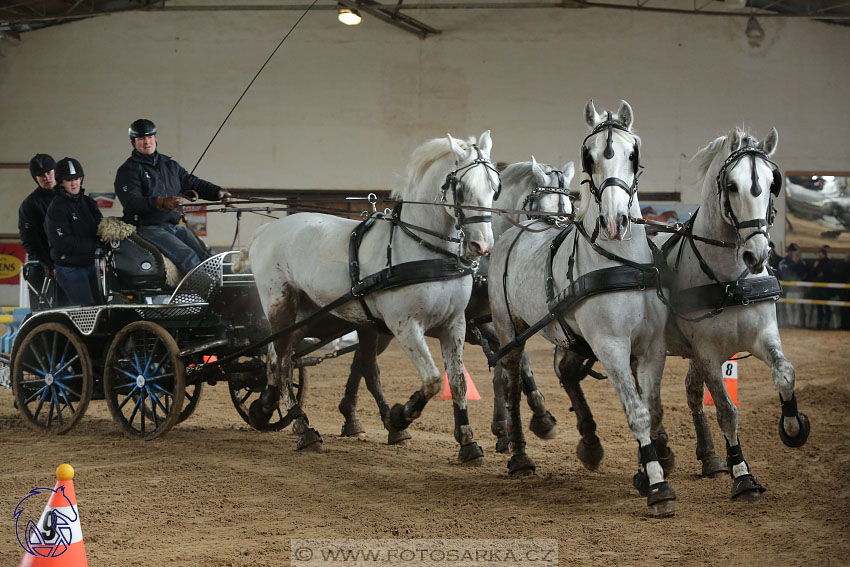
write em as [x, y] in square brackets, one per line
[610, 160]
[474, 182]
[747, 183]
[552, 189]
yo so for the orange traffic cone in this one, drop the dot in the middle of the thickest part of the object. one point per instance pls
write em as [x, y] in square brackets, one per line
[58, 539]
[730, 380]
[471, 390]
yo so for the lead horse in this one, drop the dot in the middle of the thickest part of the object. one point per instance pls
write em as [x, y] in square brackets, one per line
[722, 303]
[576, 291]
[307, 262]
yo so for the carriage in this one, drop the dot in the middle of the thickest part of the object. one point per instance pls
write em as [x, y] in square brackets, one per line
[149, 351]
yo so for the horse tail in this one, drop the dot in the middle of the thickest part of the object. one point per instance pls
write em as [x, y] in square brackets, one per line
[243, 261]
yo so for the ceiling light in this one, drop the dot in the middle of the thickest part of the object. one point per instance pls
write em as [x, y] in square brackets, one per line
[349, 16]
[754, 31]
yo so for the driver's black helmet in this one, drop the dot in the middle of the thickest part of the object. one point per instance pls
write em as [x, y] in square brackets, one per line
[142, 127]
[68, 168]
[41, 164]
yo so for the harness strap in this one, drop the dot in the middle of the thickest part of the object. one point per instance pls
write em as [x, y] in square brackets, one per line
[740, 292]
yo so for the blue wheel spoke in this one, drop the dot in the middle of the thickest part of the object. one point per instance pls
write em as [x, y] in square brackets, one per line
[153, 400]
[35, 395]
[66, 364]
[122, 371]
[160, 377]
[128, 398]
[58, 408]
[65, 388]
[38, 359]
[50, 410]
[34, 370]
[135, 410]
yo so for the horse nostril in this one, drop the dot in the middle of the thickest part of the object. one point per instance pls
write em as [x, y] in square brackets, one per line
[749, 258]
[624, 221]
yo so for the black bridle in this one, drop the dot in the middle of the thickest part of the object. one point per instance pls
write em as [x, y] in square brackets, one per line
[587, 161]
[532, 200]
[455, 183]
[724, 187]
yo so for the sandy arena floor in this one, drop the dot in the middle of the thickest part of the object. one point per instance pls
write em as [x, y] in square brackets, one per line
[214, 492]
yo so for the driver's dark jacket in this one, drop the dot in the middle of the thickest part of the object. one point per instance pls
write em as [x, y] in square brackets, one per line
[31, 225]
[143, 178]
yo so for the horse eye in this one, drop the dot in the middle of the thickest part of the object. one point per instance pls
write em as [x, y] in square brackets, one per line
[731, 188]
[632, 156]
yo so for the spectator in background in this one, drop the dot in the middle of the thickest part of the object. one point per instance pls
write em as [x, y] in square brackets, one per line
[822, 272]
[71, 226]
[773, 259]
[842, 275]
[793, 268]
[31, 229]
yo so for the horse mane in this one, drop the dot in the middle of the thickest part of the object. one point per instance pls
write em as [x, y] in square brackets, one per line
[520, 175]
[423, 157]
[705, 157]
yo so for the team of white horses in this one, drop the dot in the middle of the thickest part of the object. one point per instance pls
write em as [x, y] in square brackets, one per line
[590, 281]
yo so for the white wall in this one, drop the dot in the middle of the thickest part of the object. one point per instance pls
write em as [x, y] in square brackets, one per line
[342, 107]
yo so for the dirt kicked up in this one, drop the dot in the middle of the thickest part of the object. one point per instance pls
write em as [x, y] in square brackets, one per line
[214, 492]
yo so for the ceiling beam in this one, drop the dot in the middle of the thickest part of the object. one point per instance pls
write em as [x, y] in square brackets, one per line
[392, 16]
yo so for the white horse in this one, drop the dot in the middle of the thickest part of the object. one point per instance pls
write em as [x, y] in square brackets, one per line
[530, 186]
[617, 325]
[722, 303]
[726, 296]
[301, 264]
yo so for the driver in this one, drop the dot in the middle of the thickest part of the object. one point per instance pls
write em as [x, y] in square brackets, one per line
[149, 185]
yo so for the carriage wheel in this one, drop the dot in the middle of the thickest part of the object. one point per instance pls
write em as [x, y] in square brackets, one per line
[243, 396]
[144, 380]
[191, 400]
[52, 378]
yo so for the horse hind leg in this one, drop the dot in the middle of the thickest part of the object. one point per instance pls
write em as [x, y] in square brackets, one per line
[501, 422]
[282, 314]
[712, 465]
[451, 344]
[571, 368]
[520, 463]
[352, 427]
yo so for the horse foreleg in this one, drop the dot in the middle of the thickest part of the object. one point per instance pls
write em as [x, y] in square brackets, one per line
[660, 497]
[571, 369]
[499, 425]
[520, 463]
[794, 425]
[712, 464]
[648, 370]
[745, 486]
[542, 422]
[373, 383]
[451, 343]
[348, 404]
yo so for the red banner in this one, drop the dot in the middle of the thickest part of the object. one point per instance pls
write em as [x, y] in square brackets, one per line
[12, 257]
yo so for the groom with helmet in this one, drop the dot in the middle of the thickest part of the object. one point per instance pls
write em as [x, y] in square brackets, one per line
[149, 185]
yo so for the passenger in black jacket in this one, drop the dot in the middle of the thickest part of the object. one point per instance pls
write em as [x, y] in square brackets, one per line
[71, 227]
[31, 228]
[149, 186]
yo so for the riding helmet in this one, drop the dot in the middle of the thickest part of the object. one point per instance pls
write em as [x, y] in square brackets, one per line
[68, 168]
[41, 164]
[142, 127]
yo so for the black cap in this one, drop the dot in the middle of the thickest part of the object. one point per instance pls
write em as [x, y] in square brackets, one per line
[142, 127]
[40, 164]
[68, 168]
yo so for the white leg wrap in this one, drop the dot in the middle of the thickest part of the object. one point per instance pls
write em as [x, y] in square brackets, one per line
[654, 472]
[740, 469]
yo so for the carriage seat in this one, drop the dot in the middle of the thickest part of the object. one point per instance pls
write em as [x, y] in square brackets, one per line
[132, 263]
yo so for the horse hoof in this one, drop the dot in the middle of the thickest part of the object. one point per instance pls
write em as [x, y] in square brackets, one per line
[397, 437]
[714, 467]
[590, 453]
[641, 483]
[746, 488]
[352, 428]
[471, 454]
[257, 416]
[661, 500]
[800, 439]
[543, 425]
[396, 420]
[309, 441]
[520, 466]
[503, 444]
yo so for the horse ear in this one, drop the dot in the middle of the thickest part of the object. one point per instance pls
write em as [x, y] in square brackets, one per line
[485, 143]
[769, 144]
[590, 115]
[457, 150]
[539, 174]
[625, 114]
[569, 171]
